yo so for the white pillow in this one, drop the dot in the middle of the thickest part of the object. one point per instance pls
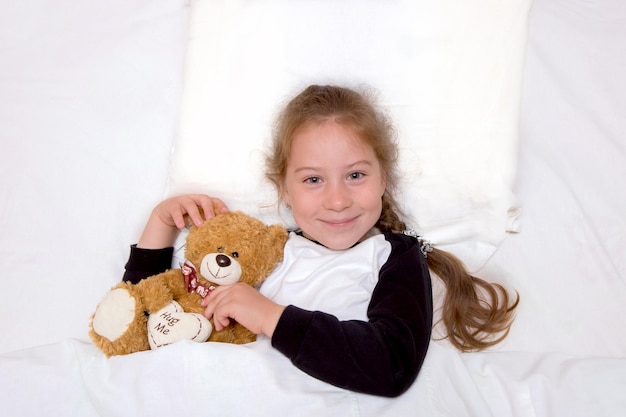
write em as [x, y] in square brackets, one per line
[448, 71]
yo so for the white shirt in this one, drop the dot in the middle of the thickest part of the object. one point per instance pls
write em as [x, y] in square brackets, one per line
[339, 282]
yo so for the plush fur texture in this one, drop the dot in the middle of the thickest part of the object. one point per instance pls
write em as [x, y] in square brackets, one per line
[123, 313]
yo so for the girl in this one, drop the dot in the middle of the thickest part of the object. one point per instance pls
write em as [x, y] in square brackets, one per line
[333, 162]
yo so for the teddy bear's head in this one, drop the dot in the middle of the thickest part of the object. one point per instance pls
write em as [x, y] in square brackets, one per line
[234, 247]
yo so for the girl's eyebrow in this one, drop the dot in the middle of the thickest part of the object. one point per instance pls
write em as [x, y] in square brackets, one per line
[362, 162]
[355, 164]
[305, 169]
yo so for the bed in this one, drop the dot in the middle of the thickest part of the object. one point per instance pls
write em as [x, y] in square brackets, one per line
[515, 114]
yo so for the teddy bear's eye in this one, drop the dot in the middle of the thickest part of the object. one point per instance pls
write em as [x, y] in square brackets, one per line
[220, 249]
[235, 254]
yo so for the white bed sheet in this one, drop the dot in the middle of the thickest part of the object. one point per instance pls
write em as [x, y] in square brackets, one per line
[73, 378]
[88, 108]
[569, 260]
[88, 105]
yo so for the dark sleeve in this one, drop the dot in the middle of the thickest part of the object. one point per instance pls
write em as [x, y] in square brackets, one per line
[143, 263]
[381, 356]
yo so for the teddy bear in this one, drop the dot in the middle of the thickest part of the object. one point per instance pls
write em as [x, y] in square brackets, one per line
[165, 308]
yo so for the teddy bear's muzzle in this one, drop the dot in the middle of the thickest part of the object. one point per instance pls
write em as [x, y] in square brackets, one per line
[220, 269]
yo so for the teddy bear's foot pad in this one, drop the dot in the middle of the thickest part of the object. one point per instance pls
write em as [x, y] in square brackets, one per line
[114, 314]
[171, 324]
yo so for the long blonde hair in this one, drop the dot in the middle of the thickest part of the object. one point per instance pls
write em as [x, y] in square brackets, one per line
[476, 314]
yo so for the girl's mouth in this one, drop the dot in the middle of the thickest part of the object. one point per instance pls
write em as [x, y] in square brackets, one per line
[339, 223]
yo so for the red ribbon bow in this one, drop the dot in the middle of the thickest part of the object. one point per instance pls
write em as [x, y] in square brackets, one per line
[191, 280]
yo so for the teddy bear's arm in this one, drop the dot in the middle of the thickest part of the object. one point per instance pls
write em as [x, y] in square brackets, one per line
[158, 290]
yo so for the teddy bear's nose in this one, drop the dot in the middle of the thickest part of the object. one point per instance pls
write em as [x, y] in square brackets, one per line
[222, 260]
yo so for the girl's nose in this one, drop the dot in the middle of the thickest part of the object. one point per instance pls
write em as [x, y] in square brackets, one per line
[337, 197]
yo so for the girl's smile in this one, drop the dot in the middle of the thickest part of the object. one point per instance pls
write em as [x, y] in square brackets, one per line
[334, 184]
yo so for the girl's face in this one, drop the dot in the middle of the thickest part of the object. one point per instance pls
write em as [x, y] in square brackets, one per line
[334, 184]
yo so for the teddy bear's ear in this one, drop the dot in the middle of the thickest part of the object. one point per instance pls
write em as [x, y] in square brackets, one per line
[276, 238]
[278, 234]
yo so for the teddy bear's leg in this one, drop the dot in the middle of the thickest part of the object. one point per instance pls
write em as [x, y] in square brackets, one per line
[114, 313]
[172, 312]
[118, 325]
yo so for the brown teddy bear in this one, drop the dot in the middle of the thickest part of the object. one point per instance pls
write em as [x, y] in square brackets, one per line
[165, 308]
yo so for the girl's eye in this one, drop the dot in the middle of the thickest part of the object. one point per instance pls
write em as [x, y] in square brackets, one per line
[356, 175]
[313, 180]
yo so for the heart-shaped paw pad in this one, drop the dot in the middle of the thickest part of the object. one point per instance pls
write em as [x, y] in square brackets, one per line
[171, 324]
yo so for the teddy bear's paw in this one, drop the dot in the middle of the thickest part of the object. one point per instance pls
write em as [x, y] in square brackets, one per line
[171, 324]
[114, 314]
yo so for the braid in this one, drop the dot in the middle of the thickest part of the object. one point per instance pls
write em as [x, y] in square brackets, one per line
[476, 314]
[389, 220]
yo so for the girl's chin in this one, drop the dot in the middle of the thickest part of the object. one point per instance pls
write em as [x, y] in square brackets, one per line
[334, 242]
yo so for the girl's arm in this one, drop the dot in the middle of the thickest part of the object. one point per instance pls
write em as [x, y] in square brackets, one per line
[153, 252]
[382, 356]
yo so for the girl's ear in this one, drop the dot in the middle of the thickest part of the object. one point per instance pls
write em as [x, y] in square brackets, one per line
[383, 180]
[284, 195]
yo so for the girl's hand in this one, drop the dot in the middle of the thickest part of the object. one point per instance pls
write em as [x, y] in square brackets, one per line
[172, 211]
[243, 304]
[171, 215]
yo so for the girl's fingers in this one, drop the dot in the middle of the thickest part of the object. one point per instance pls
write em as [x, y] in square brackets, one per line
[214, 302]
[177, 217]
[194, 213]
[207, 207]
[219, 206]
[210, 206]
[221, 322]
